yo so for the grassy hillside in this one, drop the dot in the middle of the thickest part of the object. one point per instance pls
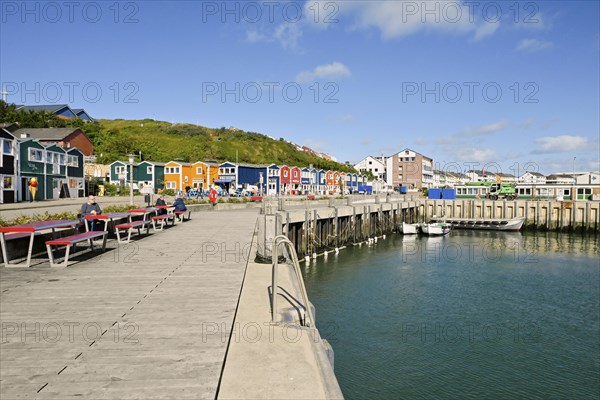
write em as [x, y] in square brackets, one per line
[162, 141]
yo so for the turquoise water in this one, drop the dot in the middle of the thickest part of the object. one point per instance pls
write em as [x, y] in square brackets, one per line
[475, 315]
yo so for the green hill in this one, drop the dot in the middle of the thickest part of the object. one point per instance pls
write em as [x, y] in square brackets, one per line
[163, 141]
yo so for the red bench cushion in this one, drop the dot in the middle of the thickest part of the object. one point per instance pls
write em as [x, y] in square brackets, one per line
[76, 238]
[164, 216]
[129, 225]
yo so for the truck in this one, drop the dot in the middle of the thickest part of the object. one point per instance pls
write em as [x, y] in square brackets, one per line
[505, 191]
[497, 190]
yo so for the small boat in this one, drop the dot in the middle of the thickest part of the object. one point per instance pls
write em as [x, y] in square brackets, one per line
[409, 229]
[436, 229]
[509, 224]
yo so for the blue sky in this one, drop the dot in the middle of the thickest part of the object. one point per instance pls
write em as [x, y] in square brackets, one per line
[467, 83]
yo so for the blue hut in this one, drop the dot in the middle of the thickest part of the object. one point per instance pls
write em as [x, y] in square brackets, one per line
[305, 180]
[228, 176]
[252, 175]
[272, 184]
[321, 182]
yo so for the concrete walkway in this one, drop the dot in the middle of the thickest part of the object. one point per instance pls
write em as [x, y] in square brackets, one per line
[129, 323]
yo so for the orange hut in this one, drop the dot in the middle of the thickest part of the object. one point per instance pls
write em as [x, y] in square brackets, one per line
[212, 174]
[329, 179]
[177, 175]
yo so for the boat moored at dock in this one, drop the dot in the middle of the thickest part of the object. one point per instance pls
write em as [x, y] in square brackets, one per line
[409, 229]
[494, 224]
[436, 229]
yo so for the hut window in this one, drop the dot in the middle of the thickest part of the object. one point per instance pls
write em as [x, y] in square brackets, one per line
[36, 155]
[6, 147]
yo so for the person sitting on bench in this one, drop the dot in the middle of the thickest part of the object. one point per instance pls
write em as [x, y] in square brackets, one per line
[161, 202]
[179, 205]
[90, 208]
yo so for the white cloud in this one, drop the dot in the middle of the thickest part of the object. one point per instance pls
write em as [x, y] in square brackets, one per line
[393, 19]
[561, 144]
[486, 29]
[401, 18]
[478, 155]
[255, 37]
[328, 71]
[288, 34]
[345, 118]
[486, 129]
[533, 45]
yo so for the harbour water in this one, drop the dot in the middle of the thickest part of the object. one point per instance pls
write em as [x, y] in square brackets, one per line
[474, 315]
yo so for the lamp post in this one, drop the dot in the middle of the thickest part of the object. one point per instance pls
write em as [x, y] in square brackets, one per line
[131, 159]
[573, 194]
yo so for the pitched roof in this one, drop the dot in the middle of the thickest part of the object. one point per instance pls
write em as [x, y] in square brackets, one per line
[51, 108]
[81, 113]
[534, 174]
[252, 165]
[9, 126]
[55, 134]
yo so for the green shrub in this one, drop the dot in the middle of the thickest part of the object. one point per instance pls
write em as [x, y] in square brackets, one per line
[25, 219]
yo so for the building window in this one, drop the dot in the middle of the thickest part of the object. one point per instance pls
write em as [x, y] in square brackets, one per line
[121, 169]
[36, 155]
[73, 161]
[170, 185]
[7, 182]
[198, 170]
[285, 174]
[7, 147]
[149, 170]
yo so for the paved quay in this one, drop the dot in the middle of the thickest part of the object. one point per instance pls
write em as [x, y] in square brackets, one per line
[127, 323]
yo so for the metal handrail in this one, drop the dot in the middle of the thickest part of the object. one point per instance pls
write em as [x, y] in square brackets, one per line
[282, 239]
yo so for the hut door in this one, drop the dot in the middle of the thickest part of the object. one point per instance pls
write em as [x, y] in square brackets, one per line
[56, 185]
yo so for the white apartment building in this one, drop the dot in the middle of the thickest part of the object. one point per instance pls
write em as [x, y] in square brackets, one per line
[372, 164]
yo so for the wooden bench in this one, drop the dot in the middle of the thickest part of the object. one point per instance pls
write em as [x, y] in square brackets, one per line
[73, 240]
[130, 226]
[181, 214]
[164, 220]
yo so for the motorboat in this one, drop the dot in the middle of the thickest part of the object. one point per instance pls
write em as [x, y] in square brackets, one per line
[492, 224]
[409, 229]
[436, 229]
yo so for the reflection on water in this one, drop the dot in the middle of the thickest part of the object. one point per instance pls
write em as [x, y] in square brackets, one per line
[471, 315]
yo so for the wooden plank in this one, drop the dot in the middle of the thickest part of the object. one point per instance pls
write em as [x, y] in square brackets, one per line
[154, 302]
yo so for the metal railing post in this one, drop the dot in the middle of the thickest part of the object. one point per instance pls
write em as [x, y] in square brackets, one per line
[274, 277]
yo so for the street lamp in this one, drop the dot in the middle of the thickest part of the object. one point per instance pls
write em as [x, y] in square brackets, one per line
[573, 194]
[131, 159]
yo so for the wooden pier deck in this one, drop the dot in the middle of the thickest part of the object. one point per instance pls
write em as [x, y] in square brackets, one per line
[128, 323]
